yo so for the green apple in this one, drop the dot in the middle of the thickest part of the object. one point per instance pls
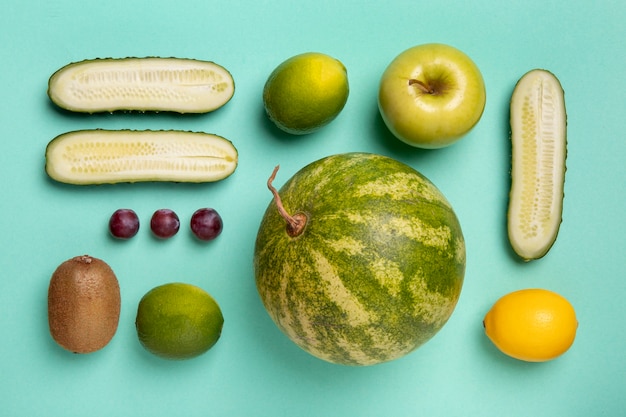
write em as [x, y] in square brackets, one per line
[431, 95]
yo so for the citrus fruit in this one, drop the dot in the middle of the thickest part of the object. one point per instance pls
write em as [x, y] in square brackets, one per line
[533, 325]
[178, 321]
[306, 92]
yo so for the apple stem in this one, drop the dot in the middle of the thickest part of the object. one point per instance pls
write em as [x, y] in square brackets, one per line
[422, 86]
[295, 223]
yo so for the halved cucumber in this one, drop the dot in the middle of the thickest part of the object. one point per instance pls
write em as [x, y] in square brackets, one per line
[87, 157]
[539, 148]
[141, 84]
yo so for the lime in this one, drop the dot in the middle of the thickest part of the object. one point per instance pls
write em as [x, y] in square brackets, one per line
[533, 325]
[306, 92]
[178, 321]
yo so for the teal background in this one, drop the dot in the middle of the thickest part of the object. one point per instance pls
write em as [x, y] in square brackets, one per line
[254, 370]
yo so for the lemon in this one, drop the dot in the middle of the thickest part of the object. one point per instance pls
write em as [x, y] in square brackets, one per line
[533, 325]
[306, 92]
[178, 321]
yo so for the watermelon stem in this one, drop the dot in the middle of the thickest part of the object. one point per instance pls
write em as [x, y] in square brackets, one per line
[295, 223]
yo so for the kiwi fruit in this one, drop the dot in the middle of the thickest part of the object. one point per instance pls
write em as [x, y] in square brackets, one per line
[83, 304]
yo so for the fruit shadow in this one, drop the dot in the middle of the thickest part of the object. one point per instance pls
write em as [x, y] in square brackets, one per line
[279, 352]
[394, 147]
[490, 350]
[51, 348]
[273, 131]
[503, 361]
[504, 131]
[162, 118]
[164, 189]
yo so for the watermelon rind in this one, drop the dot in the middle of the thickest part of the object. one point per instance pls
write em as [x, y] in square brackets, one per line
[376, 272]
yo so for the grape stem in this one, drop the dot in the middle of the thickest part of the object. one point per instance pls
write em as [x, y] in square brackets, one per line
[295, 223]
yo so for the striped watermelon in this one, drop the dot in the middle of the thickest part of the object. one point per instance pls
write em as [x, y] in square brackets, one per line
[376, 270]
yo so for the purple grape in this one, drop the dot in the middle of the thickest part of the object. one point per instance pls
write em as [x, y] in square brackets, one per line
[206, 224]
[164, 223]
[124, 224]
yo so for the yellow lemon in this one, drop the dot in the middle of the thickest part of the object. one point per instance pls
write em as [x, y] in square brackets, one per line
[306, 92]
[178, 321]
[533, 325]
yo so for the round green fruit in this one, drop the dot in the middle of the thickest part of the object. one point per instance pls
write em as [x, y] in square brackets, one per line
[178, 321]
[359, 259]
[431, 95]
[306, 92]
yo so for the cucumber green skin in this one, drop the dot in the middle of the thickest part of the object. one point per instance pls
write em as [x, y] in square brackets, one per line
[397, 288]
[122, 109]
[542, 251]
[53, 174]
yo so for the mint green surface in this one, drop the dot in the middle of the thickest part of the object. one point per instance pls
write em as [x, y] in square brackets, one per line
[254, 370]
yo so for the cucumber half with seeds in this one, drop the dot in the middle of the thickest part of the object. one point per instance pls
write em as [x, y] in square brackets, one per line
[141, 84]
[87, 157]
[539, 148]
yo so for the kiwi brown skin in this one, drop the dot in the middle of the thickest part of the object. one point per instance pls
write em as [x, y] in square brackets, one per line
[83, 304]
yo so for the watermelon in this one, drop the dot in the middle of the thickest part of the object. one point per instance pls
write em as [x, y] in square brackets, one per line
[359, 259]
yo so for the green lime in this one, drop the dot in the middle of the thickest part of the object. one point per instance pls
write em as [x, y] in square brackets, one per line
[306, 92]
[178, 321]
